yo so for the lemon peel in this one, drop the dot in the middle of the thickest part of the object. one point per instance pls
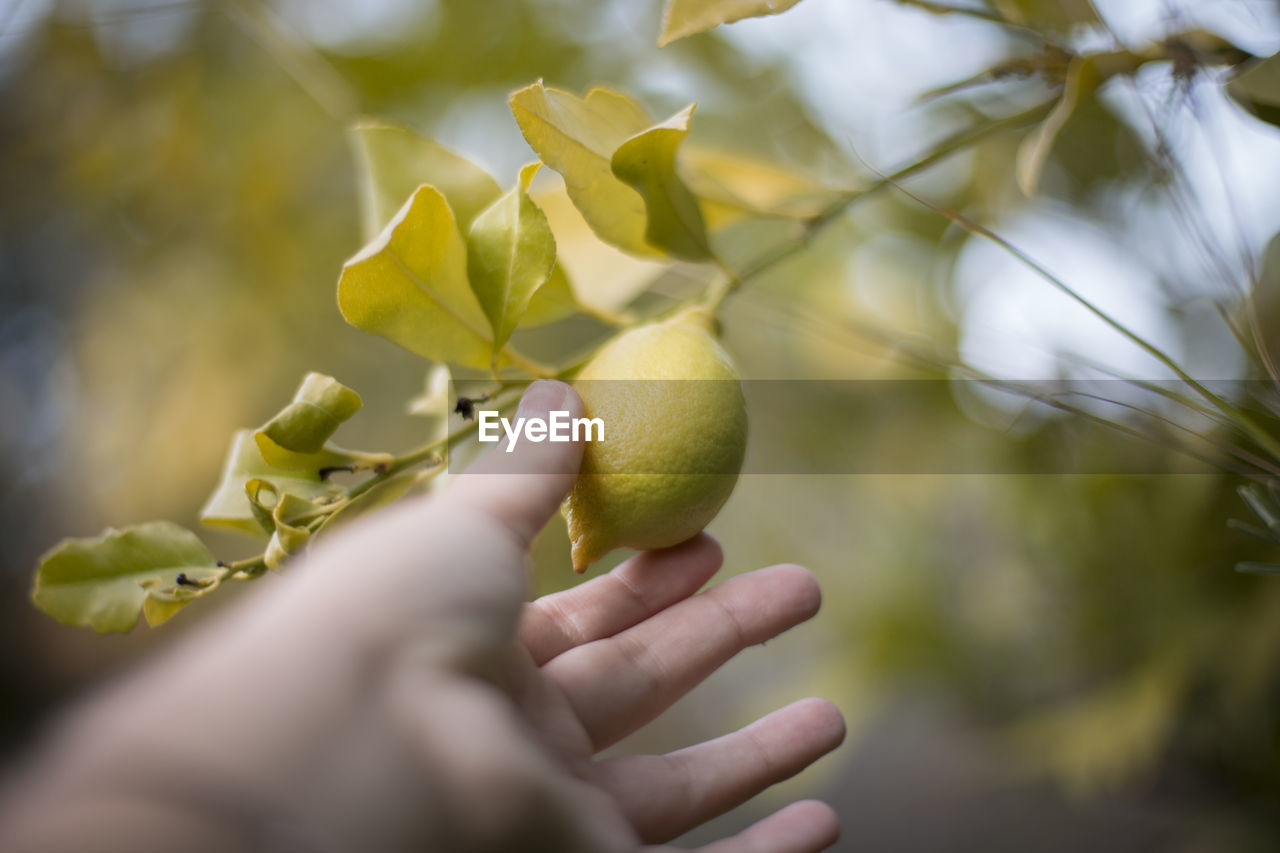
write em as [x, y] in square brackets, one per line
[675, 437]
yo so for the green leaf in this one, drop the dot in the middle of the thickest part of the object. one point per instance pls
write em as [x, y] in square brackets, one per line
[410, 286]
[554, 301]
[229, 505]
[394, 161]
[510, 254]
[1257, 89]
[295, 438]
[689, 17]
[577, 137]
[647, 161]
[103, 582]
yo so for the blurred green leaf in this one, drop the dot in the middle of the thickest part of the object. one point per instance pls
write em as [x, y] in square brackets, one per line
[394, 161]
[732, 187]
[433, 402]
[577, 137]
[410, 286]
[230, 506]
[510, 254]
[1257, 89]
[103, 582]
[647, 161]
[689, 17]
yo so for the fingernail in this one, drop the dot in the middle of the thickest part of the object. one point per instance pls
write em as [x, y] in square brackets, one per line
[543, 397]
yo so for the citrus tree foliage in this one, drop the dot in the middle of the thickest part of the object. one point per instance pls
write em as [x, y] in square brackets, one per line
[458, 265]
[453, 265]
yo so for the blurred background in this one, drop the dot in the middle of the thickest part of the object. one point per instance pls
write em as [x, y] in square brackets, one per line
[1043, 661]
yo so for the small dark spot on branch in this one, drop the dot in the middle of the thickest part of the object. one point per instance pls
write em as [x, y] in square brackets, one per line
[467, 406]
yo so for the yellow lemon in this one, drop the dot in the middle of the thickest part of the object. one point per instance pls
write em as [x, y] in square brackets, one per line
[675, 431]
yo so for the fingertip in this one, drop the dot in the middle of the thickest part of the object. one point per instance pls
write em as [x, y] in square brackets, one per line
[701, 555]
[522, 485]
[805, 589]
[825, 717]
[820, 822]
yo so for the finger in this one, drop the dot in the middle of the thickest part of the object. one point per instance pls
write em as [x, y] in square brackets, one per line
[522, 488]
[804, 827]
[618, 684]
[450, 567]
[666, 795]
[642, 586]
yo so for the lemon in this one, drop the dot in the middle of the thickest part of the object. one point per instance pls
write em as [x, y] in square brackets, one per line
[675, 431]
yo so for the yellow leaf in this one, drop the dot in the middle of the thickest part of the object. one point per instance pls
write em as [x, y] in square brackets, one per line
[689, 17]
[577, 137]
[603, 278]
[410, 286]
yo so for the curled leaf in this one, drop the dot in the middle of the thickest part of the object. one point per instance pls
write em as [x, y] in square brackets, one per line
[647, 162]
[230, 504]
[295, 439]
[577, 137]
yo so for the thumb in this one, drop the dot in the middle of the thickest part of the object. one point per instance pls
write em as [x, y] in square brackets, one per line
[520, 486]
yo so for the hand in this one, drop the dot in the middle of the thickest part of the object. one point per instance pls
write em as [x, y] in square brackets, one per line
[392, 692]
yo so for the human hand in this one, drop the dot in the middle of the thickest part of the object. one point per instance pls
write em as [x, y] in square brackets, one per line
[393, 691]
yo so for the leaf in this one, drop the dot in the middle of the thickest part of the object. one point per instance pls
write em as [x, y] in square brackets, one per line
[410, 286]
[229, 505]
[394, 161]
[603, 278]
[1081, 82]
[647, 161]
[577, 137]
[290, 518]
[510, 254]
[732, 187]
[433, 402]
[551, 302]
[103, 582]
[295, 438]
[689, 17]
[1257, 89]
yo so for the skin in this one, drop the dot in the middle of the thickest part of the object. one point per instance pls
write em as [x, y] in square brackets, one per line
[394, 692]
